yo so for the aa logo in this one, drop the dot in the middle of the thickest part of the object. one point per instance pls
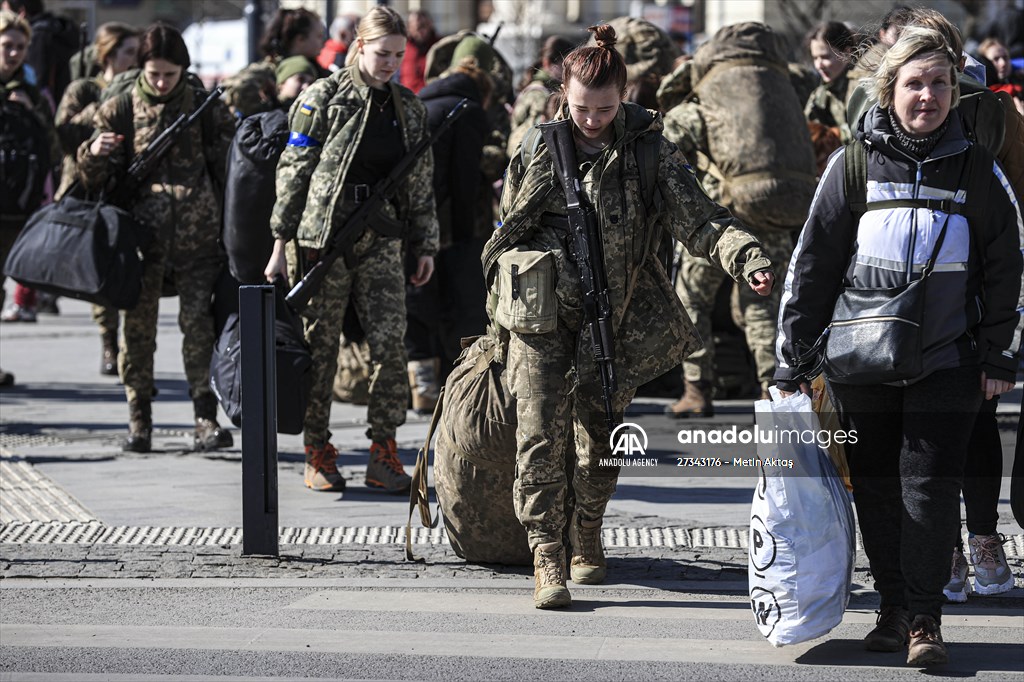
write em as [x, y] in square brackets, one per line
[766, 609]
[628, 440]
[762, 545]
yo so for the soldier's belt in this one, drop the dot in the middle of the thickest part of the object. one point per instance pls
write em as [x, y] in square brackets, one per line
[382, 223]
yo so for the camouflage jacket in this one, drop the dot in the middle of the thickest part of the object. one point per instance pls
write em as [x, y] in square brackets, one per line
[327, 123]
[180, 201]
[74, 124]
[529, 108]
[653, 333]
[827, 105]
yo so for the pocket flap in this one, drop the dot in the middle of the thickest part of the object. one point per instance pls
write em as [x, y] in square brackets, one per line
[524, 259]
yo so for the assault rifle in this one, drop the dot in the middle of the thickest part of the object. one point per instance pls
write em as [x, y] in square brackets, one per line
[367, 212]
[589, 257]
[123, 190]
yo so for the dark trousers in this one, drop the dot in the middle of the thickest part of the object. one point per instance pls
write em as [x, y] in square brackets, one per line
[907, 468]
[983, 472]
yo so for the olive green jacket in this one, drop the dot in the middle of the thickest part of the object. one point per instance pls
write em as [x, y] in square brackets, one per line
[653, 334]
[327, 123]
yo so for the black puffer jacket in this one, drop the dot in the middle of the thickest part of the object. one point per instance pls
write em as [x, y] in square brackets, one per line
[975, 293]
[457, 153]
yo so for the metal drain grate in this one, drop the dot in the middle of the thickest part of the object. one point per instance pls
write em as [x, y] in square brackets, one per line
[13, 441]
[93, 532]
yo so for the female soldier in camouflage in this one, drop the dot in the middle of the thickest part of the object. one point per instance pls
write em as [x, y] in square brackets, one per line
[348, 132]
[555, 390]
[830, 45]
[180, 203]
[117, 50]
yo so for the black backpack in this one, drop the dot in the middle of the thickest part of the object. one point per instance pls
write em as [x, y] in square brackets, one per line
[24, 160]
[250, 192]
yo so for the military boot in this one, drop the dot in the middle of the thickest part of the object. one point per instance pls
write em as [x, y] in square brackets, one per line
[424, 380]
[549, 591]
[696, 402]
[385, 470]
[140, 427]
[588, 565]
[209, 435]
[108, 361]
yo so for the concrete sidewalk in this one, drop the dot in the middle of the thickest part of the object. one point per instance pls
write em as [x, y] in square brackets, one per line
[67, 481]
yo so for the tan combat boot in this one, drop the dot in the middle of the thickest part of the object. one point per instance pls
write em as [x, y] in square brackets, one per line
[424, 380]
[696, 402]
[321, 471]
[209, 435]
[549, 591]
[140, 427]
[588, 565]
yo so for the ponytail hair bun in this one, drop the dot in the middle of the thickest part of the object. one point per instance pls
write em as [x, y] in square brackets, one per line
[604, 35]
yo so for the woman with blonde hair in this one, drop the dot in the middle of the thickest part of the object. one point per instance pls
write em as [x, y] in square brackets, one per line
[347, 132]
[935, 211]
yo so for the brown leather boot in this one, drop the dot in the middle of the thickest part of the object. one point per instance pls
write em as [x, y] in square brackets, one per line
[108, 361]
[140, 427]
[696, 402]
[209, 435]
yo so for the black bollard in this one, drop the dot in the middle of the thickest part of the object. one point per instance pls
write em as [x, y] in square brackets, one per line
[259, 420]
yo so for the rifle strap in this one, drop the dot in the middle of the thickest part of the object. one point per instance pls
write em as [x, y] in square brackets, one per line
[571, 197]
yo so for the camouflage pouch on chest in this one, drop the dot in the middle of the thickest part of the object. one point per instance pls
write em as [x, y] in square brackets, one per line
[526, 292]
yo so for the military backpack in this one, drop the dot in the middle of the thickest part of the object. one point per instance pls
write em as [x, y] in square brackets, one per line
[757, 147]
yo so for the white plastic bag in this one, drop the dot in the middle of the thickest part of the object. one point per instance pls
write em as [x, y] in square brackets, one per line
[801, 527]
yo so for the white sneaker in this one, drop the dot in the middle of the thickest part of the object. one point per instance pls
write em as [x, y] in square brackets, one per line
[959, 586]
[992, 575]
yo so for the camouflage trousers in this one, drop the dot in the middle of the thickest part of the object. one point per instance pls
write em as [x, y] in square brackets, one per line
[550, 407]
[697, 285]
[377, 288]
[194, 276]
[105, 318]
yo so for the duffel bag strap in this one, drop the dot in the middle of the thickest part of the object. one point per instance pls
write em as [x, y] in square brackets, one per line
[419, 495]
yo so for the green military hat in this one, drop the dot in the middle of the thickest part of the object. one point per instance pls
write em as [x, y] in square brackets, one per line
[292, 66]
[474, 46]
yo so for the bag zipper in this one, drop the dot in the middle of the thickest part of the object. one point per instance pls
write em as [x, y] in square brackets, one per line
[875, 318]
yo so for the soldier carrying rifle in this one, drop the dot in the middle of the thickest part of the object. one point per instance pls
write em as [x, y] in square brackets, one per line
[179, 200]
[587, 323]
[349, 132]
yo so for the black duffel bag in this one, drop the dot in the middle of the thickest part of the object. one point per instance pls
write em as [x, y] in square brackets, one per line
[294, 367]
[83, 249]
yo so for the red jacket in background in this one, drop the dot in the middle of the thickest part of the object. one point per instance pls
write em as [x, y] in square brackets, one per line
[332, 54]
[414, 64]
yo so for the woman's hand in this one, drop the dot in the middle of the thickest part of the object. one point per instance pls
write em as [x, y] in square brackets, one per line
[424, 269]
[805, 388]
[763, 282]
[105, 144]
[277, 266]
[22, 98]
[994, 387]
